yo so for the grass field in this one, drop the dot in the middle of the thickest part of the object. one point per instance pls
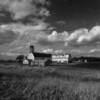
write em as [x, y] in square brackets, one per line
[19, 82]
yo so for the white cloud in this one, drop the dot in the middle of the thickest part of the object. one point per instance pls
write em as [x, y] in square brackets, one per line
[61, 22]
[77, 51]
[58, 51]
[19, 36]
[48, 50]
[85, 36]
[24, 29]
[52, 51]
[9, 54]
[16, 49]
[77, 34]
[93, 34]
[39, 34]
[94, 50]
[67, 37]
[23, 8]
[55, 36]
[7, 36]
[79, 37]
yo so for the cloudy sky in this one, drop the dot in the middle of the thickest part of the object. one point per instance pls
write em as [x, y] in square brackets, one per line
[70, 26]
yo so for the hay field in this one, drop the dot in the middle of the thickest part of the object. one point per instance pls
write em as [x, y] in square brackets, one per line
[19, 82]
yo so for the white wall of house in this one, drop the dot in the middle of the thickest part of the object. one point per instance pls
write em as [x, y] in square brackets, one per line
[61, 58]
[31, 56]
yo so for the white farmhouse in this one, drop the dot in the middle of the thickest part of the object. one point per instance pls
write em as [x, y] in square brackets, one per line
[61, 58]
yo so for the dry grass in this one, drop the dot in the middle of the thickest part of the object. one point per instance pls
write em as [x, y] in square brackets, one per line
[56, 84]
[47, 89]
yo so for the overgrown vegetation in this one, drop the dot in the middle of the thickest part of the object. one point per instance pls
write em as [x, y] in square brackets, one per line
[54, 83]
[22, 88]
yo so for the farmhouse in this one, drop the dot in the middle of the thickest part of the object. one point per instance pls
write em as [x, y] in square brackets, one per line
[61, 58]
[38, 58]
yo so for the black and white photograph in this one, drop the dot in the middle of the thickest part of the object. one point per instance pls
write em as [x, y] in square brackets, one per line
[49, 49]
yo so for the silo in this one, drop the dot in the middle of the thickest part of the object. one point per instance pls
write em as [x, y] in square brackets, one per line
[31, 49]
[30, 56]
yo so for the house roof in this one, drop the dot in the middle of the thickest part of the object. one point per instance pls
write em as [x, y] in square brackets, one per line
[38, 54]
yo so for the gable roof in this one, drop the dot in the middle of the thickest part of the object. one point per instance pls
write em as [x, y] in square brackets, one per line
[37, 54]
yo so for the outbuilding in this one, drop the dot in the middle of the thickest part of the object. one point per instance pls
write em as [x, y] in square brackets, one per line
[61, 58]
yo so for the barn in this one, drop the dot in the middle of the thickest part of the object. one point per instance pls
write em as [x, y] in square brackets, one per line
[39, 58]
[43, 59]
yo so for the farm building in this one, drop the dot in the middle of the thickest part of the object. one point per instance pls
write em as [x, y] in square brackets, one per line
[41, 58]
[38, 58]
[61, 58]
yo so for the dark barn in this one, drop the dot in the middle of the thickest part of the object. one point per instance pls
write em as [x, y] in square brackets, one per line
[42, 58]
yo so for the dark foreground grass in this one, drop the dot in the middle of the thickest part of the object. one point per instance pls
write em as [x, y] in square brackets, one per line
[26, 83]
[18, 88]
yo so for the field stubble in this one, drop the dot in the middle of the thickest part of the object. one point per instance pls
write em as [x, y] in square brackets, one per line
[51, 84]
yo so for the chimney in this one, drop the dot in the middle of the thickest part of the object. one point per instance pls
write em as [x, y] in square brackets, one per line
[31, 49]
